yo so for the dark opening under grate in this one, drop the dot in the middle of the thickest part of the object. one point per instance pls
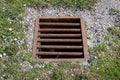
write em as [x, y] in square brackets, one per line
[60, 39]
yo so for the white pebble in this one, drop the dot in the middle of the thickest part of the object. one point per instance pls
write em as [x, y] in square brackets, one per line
[0, 55]
[4, 54]
[10, 29]
[15, 39]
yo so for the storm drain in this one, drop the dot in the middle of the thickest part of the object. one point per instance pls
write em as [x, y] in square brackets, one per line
[60, 39]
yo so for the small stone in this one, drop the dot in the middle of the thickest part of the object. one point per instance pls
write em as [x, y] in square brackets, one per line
[85, 63]
[97, 68]
[24, 5]
[15, 39]
[10, 29]
[0, 55]
[95, 57]
[4, 54]
[72, 74]
[26, 66]
[37, 66]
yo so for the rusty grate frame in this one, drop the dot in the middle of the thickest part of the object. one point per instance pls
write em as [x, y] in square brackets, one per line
[84, 40]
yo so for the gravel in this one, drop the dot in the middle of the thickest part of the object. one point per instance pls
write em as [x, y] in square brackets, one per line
[97, 20]
[26, 66]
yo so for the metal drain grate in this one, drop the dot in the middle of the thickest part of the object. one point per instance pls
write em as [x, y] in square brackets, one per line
[60, 39]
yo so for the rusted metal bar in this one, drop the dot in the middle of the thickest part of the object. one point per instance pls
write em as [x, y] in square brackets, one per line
[59, 24]
[59, 40]
[59, 30]
[59, 47]
[83, 32]
[59, 17]
[59, 35]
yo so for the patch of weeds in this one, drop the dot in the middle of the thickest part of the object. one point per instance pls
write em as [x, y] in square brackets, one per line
[36, 3]
[60, 3]
[76, 3]
[116, 40]
[11, 67]
[10, 29]
[113, 11]
[49, 66]
[106, 64]
[107, 38]
[114, 31]
[57, 75]
[101, 47]
[86, 3]
[81, 77]
[117, 24]
[10, 49]
[106, 68]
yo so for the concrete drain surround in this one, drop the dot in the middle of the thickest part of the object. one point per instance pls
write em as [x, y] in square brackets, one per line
[60, 39]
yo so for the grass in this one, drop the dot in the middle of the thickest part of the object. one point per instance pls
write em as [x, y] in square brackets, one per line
[74, 3]
[17, 65]
[105, 65]
[114, 11]
[108, 63]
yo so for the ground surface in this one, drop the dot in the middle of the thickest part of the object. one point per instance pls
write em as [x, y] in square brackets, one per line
[17, 18]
